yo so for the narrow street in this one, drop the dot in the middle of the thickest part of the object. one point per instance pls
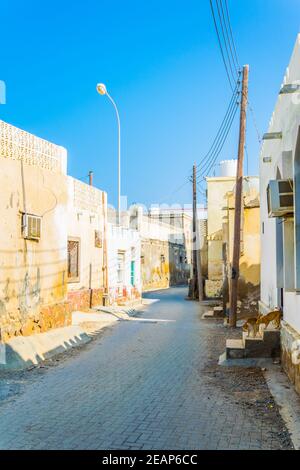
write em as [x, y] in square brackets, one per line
[143, 385]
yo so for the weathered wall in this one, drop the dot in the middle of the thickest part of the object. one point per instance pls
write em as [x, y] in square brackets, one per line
[202, 227]
[250, 240]
[164, 257]
[35, 294]
[87, 209]
[163, 264]
[290, 354]
[220, 234]
[217, 189]
[155, 264]
[33, 274]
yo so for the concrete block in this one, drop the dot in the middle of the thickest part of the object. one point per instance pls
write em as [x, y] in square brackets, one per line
[213, 289]
[235, 349]
[208, 314]
[218, 312]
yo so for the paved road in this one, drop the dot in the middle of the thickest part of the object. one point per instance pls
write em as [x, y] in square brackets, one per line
[145, 385]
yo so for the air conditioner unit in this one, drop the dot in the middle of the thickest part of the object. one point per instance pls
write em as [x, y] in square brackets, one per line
[280, 197]
[31, 226]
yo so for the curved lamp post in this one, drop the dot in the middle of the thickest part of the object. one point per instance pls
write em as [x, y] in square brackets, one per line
[101, 88]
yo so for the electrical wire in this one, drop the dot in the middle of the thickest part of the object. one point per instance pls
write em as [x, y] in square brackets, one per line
[176, 190]
[219, 141]
[220, 44]
[206, 170]
[226, 41]
[231, 33]
[222, 126]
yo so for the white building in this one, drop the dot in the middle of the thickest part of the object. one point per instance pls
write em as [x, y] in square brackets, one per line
[280, 216]
[124, 273]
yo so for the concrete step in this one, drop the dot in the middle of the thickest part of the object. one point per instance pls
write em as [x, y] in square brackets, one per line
[218, 312]
[266, 346]
[235, 349]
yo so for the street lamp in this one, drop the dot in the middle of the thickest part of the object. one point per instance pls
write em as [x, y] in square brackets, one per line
[101, 89]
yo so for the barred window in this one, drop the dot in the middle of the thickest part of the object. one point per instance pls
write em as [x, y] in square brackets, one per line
[73, 259]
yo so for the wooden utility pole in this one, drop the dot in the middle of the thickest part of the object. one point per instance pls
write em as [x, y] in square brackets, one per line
[197, 287]
[195, 275]
[199, 264]
[238, 202]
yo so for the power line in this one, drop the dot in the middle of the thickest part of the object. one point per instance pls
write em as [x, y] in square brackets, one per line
[210, 162]
[223, 123]
[220, 44]
[226, 123]
[230, 31]
[225, 38]
[176, 190]
[218, 149]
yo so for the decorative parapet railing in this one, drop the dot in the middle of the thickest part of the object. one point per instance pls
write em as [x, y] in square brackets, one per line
[86, 197]
[17, 144]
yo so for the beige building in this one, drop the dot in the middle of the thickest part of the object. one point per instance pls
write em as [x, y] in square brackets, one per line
[87, 244]
[220, 229]
[33, 275]
[181, 218]
[164, 259]
[52, 252]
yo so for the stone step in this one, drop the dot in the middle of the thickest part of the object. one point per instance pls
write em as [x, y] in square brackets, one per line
[266, 346]
[218, 312]
[235, 349]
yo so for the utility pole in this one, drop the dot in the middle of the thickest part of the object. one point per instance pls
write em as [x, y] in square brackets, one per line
[199, 264]
[90, 178]
[238, 202]
[195, 275]
[197, 267]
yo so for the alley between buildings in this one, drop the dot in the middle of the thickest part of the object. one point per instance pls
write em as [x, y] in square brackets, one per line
[143, 385]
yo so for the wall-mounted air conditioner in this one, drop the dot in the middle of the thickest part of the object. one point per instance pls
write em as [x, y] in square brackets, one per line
[280, 197]
[31, 226]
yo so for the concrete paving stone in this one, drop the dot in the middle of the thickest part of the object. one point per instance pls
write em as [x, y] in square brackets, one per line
[143, 385]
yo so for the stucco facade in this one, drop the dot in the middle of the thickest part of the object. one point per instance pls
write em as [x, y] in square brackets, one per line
[33, 273]
[220, 230]
[249, 275]
[163, 251]
[280, 259]
[37, 292]
[87, 221]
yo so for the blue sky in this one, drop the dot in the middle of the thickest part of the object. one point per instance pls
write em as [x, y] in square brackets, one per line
[161, 63]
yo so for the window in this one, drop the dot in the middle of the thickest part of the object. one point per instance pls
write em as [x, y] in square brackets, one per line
[73, 259]
[98, 239]
[121, 267]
